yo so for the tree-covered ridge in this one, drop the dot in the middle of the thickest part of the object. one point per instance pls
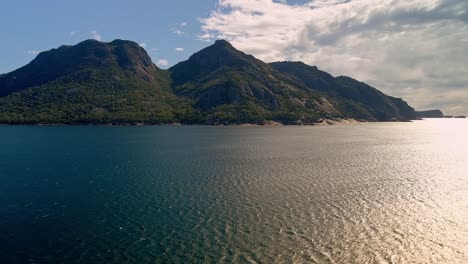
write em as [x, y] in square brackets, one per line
[97, 82]
[96, 101]
[92, 82]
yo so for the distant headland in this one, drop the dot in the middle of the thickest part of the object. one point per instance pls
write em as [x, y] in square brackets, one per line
[435, 114]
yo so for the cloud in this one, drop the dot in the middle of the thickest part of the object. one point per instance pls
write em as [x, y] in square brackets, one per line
[179, 49]
[73, 33]
[95, 35]
[142, 44]
[206, 37]
[153, 50]
[415, 49]
[33, 52]
[178, 32]
[162, 62]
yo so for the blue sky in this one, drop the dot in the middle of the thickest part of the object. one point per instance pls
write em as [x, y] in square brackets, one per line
[31, 26]
[413, 49]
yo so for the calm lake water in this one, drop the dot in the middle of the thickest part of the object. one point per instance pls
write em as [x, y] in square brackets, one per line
[364, 193]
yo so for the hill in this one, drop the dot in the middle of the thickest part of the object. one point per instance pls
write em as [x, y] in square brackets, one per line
[98, 82]
[353, 98]
[430, 114]
[91, 82]
[231, 86]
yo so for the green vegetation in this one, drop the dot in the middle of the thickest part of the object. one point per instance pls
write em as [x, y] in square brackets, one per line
[99, 83]
[99, 101]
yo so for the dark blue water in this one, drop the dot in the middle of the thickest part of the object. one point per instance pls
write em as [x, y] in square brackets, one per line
[366, 193]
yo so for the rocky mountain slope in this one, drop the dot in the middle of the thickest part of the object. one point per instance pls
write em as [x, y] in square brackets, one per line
[353, 98]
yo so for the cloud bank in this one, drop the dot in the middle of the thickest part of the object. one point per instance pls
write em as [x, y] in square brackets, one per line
[415, 49]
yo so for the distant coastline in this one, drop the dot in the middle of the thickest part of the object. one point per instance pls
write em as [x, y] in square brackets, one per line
[322, 122]
[269, 123]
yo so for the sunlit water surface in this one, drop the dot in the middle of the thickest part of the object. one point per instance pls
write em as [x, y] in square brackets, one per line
[365, 193]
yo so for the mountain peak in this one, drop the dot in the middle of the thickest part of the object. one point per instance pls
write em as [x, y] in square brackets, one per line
[222, 47]
[222, 42]
[122, 41]
[225, 48]
[87, 55]
[220, 54]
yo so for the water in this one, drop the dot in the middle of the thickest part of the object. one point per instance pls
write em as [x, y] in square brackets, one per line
[365, 193]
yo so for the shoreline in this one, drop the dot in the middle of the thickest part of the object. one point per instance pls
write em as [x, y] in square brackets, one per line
[320, 123]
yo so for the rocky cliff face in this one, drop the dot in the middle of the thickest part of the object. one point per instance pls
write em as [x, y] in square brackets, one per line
[354, 99]
[222, 75]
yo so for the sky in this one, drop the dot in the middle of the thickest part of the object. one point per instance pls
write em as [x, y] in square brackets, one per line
[414, 49]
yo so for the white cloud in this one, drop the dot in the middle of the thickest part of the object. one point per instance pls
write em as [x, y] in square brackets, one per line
[179, 49]
[178, 32]
[95, 35]
[33, 52]
[413, 49]
[73, 33]
[162, 62]
[206, 37]
[142, 44]
[183, 24]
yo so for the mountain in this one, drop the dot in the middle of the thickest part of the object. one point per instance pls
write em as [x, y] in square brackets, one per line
[229, 85]
[353, 98]
[430, 114]
[116, 82]
[91, 82]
